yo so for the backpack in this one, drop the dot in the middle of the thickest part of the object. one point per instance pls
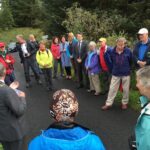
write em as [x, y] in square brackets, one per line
[47, 51]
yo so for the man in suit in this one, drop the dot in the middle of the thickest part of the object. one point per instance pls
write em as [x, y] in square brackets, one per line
[80, 54]
[27, 55]
[12, 108]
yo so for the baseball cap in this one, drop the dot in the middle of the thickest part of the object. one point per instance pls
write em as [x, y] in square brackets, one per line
[102, 40]
[2, 44]
[143, 31]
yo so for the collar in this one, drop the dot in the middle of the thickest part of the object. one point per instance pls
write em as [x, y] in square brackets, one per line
[2, 81]
[145, 104]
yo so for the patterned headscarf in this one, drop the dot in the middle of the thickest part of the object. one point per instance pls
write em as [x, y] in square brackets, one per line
[64, 105]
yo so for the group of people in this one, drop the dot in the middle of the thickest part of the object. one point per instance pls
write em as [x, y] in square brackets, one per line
[88, 64]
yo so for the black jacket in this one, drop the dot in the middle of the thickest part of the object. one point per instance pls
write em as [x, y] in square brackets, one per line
[31, 48]
[136, 54]
[12, 109]
[84, 51]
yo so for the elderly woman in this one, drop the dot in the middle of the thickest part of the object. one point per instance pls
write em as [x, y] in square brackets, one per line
[64, 134]
[142, 129]
[93, 67]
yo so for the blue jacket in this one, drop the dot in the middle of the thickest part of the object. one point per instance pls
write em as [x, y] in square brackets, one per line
[65, 56]
[75, 138]
[119, 64]
[146, 56]
[142, 129]
[94, 66]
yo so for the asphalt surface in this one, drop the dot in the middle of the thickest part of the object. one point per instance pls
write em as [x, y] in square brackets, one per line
[113, 126]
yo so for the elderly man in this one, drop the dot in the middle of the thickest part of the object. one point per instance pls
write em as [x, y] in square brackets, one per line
[106, 71]
[142, 130]
[141, 51]
[12, 108]
[64, 134]
[27, 54]
[121, 58]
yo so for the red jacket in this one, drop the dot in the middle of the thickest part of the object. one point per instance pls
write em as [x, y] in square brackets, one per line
[9, 66]
[102, 60]
[55, 49]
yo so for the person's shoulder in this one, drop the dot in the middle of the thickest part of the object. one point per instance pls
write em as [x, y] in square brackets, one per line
[34, 143]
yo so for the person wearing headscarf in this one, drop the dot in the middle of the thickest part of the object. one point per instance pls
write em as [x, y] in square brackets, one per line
[64, 133]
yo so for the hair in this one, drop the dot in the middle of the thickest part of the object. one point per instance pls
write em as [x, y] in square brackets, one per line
[20, 36]
[2, 70]
[144, 75]
[53, 40]
[71, 34]
[92, 43]
[31, 35]
[121, 39]
[42, 42]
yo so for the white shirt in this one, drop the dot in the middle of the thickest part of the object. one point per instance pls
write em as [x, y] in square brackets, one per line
[24, 49]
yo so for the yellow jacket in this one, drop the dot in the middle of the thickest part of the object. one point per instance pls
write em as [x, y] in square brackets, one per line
[44, 59]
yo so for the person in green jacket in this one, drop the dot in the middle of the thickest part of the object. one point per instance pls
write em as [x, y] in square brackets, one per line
[45, 60]
[142, 130]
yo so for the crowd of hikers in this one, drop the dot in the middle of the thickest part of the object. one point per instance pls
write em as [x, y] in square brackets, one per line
[73, 58]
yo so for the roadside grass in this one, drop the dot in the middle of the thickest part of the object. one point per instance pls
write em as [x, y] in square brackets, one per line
[10, 35]
[1, 148]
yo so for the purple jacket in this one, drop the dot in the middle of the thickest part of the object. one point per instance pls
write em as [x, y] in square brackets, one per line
[94, 66]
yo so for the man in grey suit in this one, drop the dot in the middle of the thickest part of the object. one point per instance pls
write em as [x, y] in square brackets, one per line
[12, 108]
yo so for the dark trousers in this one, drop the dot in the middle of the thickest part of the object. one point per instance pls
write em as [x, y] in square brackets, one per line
[9, 78]
[82, 74]
[68, 71]
[74, 66]
[28, 63]
[47, 72]
[105, 81]
[56, 62]
[16, 145]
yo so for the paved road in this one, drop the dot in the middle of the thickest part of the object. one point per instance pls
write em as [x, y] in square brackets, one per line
[113, 126]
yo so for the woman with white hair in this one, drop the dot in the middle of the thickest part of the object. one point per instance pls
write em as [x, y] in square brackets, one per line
[93, 67]
[142, 130]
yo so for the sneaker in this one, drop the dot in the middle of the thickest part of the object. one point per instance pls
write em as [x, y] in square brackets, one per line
[28, 85]
[124, 106]
[39, 82]
[97, 93]
[105, 107]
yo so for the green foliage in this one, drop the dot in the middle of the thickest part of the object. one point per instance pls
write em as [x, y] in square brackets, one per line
[6, 18]
[27, 13]
[93, 23]
[1, 148]
[10, 36]
[133, 99]
[55, 13]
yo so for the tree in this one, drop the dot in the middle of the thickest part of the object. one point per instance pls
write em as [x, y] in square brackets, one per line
[6, 18]
[27, 13]
[55, 14]
[93, 24]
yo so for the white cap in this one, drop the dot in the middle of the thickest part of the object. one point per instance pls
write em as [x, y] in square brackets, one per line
[143, 31]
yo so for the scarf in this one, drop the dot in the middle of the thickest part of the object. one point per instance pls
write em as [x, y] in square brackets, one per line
[90, 57]
[3, 53]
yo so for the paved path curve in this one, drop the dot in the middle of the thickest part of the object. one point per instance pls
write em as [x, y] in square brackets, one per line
[113, 126]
